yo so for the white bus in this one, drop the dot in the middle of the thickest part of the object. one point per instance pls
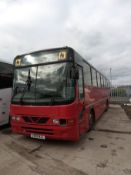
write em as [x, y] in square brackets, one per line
[6, 71]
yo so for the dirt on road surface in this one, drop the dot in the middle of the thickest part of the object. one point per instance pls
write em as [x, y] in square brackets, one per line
[104, 151]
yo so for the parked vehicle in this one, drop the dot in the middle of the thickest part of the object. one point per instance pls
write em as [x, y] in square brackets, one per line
[5, 91]
[56, 94]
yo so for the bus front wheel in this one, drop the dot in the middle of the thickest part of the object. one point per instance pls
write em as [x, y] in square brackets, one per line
[91, 120]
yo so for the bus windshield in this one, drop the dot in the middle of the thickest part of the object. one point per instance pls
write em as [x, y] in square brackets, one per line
[49, 84]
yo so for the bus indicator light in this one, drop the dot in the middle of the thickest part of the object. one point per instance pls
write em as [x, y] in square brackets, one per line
[71, 122]
[13, 118]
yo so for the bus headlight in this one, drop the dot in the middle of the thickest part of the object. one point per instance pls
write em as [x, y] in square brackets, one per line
[56, 121]
[17, 119]
[61, 122]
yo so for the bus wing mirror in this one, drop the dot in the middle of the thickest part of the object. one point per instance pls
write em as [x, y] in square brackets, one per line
[74, 73]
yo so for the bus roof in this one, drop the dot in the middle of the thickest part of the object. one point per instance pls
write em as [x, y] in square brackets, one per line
[65, 47]
[44, 50]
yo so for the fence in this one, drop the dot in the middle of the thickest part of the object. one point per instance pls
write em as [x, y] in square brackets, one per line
[120, 94]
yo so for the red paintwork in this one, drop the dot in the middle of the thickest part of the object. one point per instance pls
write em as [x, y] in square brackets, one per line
[93, 96]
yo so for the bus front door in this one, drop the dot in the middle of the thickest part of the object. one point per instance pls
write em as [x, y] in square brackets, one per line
[81, 103]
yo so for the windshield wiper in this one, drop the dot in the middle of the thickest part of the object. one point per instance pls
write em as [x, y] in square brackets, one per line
[27, 86]
[15, 91]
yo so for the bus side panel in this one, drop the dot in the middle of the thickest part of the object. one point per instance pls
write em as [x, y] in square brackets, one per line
[100, 96]
[95, 98]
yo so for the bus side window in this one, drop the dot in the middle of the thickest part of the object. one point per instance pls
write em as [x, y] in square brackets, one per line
[102, 83]
[87, 74]
[81, 84]
[94, 77]
[98, 80]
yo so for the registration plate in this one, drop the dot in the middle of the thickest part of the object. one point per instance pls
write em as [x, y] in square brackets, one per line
[37, 136]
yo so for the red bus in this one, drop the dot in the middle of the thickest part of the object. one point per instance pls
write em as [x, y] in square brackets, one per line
[56, 94]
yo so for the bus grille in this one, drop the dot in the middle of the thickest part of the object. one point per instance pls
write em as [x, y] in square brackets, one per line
[38, 130]
[36, 120]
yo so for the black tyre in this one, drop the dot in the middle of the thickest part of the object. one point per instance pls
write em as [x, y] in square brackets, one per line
[91, 120]
[107, 106]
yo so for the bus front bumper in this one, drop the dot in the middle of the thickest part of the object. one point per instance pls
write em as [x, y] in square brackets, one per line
[48, 132]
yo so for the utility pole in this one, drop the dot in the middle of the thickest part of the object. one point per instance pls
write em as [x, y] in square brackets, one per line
[111, 76]
[111, 93]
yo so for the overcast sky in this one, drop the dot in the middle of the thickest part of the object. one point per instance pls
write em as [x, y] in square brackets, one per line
[100, 30]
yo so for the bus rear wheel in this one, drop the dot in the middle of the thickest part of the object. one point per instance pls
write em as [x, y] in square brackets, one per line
[107, 106]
